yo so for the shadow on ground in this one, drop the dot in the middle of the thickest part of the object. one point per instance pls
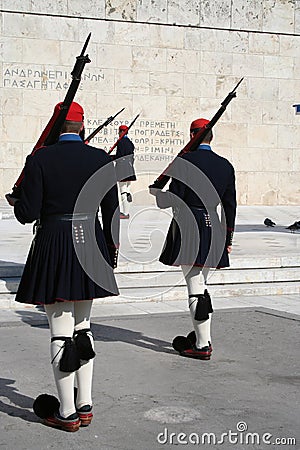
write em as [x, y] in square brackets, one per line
[103, 333]
[107, 333]
[18, 403]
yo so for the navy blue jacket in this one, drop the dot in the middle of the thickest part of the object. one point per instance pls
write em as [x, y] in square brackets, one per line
[124, 159]
[55, 175]
[216, 186]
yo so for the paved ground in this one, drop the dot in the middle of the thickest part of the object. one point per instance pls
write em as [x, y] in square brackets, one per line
[144, 391]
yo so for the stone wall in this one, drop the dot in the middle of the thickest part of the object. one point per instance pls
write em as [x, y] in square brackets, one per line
[171, 61]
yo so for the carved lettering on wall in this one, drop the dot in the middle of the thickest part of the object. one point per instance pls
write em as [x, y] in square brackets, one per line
[38, 77]
[153, 140]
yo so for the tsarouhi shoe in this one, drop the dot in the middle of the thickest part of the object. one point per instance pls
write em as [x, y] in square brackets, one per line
[85, 415]
[70, 423]
[192, 338]
[182, 345]
[198, 353]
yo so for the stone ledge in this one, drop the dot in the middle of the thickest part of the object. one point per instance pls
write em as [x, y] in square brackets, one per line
[179, 293]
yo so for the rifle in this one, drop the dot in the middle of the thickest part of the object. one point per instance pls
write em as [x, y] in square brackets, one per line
[122, 135]
[51, 132]
[194, 143]
[96, 131]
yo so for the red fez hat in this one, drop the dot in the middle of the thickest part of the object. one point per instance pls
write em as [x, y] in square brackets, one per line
[198, 123]
[123, 128]
[75, 113]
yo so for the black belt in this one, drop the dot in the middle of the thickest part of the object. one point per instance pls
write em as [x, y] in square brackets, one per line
[67, 217]
[62, 218]
[199, 208]
[202, 208]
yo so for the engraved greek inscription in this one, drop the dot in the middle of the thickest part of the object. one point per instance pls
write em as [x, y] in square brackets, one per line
[43, 78]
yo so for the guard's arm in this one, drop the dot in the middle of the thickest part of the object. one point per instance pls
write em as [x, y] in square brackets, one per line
[27, 209]
[229, 204]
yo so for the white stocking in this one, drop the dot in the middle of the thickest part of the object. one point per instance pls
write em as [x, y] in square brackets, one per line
[124, 190]
[84, 375]
[62, 318]
[195, 278]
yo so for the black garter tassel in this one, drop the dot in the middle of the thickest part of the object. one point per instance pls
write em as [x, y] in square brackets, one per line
[69, 361]
[203, 307]
[84, 345]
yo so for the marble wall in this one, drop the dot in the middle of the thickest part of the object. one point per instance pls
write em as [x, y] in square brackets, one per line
[170, 61]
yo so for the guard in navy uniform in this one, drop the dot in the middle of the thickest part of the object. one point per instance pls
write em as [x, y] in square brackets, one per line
[53, 275]
[124, 160]
[197, 239]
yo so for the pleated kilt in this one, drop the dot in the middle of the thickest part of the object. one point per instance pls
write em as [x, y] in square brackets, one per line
[125, 168]
[53, 272]
[195, 237]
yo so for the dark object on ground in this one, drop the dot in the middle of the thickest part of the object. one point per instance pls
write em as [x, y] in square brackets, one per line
[294, 227]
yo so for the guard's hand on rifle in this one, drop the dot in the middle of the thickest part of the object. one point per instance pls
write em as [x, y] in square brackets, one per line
[153, 191]
[163, 199]
[11, 200]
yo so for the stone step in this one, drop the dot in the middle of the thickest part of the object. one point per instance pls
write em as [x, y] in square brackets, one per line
[173, 278]
[226, 290]
[13, 269]
[225, 276]
[132, 295]
[10, 269]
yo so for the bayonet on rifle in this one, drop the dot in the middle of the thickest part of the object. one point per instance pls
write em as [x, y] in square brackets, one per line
[107, 122]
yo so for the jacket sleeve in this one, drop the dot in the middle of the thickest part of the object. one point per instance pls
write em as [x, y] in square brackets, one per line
[229, 205]
[27, 208]
[120, 149]
[177, 189]
[167, 199]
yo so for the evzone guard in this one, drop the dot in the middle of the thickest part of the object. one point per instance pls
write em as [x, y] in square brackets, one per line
[197, 239]
[124, 165]
[53, 276]
[46, 192]
[201, 180]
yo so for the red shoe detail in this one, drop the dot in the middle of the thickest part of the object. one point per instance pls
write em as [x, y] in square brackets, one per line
[85, 418]
[63, 424]
[203, 353]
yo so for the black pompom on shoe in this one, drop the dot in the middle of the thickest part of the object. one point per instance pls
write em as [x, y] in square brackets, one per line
[192, 337]
[181, 343]
[45, 405]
